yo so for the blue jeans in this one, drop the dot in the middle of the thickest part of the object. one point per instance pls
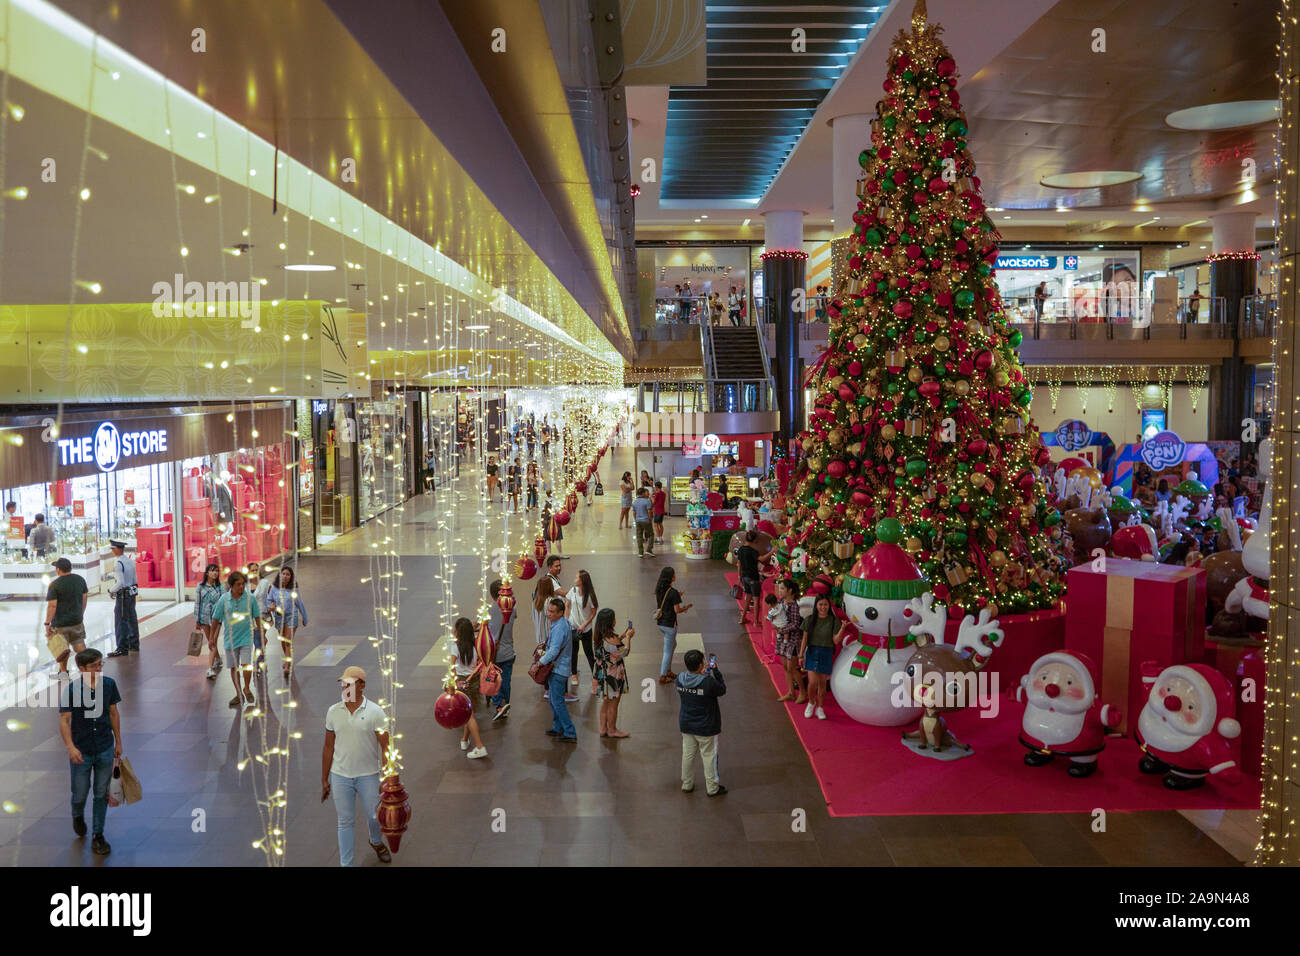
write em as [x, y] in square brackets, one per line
[556, 684]
[670, 645]
[345, 791]
[102, 765]
[503, 697]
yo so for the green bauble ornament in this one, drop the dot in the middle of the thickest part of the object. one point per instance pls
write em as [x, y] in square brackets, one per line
[892, 388]
[887, 185]
[1015, 338]
[894, 295]
[872, 237]
[890, 122]
[909, 75]
[918, 181]
[956, 128]
[964, 299]
[983, 268]
[913, 395]
[927, 299]
[950, 404]
[959, 225]
[956, 538]
[915, 467]
[929, 251]
[889, 530]
[864, 157]
[914, 218]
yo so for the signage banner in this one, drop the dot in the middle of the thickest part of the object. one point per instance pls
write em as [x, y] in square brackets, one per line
[16, 526]
[710, 444]
[1073, 435]
[78, 509]
[691, 450]
[1028, 262]
[128, 496]
[1163, 450]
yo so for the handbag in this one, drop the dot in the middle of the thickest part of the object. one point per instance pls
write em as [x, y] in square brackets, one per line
[197, 640]
[489, 683]
[660, 613]
[737, 592]
[132, 792]
[116, 793]
[543, 673]
[600, 489]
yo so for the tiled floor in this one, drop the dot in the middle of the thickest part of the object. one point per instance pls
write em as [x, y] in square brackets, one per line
[533, 801]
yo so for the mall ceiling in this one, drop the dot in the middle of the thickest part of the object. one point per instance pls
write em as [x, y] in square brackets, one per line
[770, 63]
[1041, 102]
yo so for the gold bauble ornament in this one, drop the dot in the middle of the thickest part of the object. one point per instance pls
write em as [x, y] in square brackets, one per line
[835, 437]
[824, 512]
[859, 340]
[914, 374]
[998, 558]
[977, 479]
[1001, 378]
[941, 343]
[962, 387]
[912, 545]
[855, 449]
[888, 432]
[814, 463]
[871, 390]
[972, 326]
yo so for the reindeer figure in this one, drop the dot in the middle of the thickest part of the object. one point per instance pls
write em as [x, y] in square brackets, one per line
[1229, 538]
[943, 677]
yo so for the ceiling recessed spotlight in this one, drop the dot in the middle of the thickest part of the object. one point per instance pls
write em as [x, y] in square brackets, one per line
[1006, 217]
[1226, 115]
[308, 267]
[1090, 179]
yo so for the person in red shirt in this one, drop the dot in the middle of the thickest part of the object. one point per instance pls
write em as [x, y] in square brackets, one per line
[658, 508]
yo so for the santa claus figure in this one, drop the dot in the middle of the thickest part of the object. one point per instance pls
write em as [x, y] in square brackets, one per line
[1186, 727]
[1063, 715]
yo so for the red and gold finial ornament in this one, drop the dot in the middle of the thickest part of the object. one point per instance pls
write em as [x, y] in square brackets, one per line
[506, 602]
[394, 812]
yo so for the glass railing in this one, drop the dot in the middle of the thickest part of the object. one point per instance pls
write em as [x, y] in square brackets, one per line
[1258, 318]
[695, 309]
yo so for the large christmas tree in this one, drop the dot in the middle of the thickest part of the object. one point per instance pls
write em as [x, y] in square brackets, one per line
[922, 407]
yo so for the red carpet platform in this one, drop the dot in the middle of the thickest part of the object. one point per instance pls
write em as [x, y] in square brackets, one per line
[866, 771]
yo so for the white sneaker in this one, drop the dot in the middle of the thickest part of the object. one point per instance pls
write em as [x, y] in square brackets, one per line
[211, 674]
[808, 711]
[821, 714]
[476, 753]
[464, 745]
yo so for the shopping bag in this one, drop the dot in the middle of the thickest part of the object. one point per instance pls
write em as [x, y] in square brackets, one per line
[198, 643]
[490, 681]
[600, 489]
[132, 792]
[116, 795]
[57, 643]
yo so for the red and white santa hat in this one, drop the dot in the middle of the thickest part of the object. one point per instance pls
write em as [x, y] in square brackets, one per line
[1077, 662]
[1213, 688]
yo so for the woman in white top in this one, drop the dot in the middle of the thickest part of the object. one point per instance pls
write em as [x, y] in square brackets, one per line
[580, 607]
[465, 660]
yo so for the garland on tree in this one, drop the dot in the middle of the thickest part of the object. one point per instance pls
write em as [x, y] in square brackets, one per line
[922, 405]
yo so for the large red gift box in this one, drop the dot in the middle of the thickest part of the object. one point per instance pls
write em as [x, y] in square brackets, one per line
[144, 570]
[1132, 612]
[166, 568]
[153, 538]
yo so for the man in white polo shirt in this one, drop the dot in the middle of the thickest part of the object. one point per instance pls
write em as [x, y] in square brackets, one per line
[356, 748]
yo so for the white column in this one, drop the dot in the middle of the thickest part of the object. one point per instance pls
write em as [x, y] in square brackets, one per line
[783, 229]
[1234, 231]
[850, 135]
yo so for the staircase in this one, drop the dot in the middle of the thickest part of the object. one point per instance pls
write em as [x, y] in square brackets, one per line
[736, 369]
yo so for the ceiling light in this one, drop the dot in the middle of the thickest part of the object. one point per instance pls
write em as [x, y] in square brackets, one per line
[1090, 179]
[1006, 217]
[704, 217]
[1062, 209]
[745, 223]
[308, 267]
[476, 328]
[1225, 115]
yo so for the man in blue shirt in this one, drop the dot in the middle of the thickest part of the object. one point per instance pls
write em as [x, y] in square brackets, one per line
[92, 733]
[645, 540]
[559, 647]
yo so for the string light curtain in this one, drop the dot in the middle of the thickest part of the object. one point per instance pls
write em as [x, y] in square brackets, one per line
[1138, 377]
[1083, 378]
[1198, 377]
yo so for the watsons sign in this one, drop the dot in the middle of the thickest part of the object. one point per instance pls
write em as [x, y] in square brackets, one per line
[1069, 264]
[108, 446]
[1163, 450]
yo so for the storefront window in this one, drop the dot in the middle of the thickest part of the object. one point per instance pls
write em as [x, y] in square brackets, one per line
[381, 451]
[691, 284]
[1061, 285]
[236, 509]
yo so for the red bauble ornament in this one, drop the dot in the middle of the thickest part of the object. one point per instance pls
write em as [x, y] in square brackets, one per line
[562, 517]
[902, 309]
[977, 446]
[946, 66]
[452, 709]
[525, 568]
[836, 469]
[937, 185]
[580, 486]
[394, 811]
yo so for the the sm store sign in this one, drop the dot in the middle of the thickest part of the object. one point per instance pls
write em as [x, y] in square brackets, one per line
[107, 446]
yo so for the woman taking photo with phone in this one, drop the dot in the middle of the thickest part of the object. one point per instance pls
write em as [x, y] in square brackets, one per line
[611, 672]
[205, 601]
[287, 611]
[625, 488]
[821, 634]
[669, 606]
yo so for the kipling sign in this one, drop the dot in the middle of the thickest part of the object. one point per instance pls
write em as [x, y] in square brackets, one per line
[1163, 450]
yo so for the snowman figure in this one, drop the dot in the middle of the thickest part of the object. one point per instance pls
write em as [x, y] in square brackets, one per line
[1251, 592]
[879, 592]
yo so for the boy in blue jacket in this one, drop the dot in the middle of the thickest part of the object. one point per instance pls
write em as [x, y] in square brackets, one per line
[700, 720]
